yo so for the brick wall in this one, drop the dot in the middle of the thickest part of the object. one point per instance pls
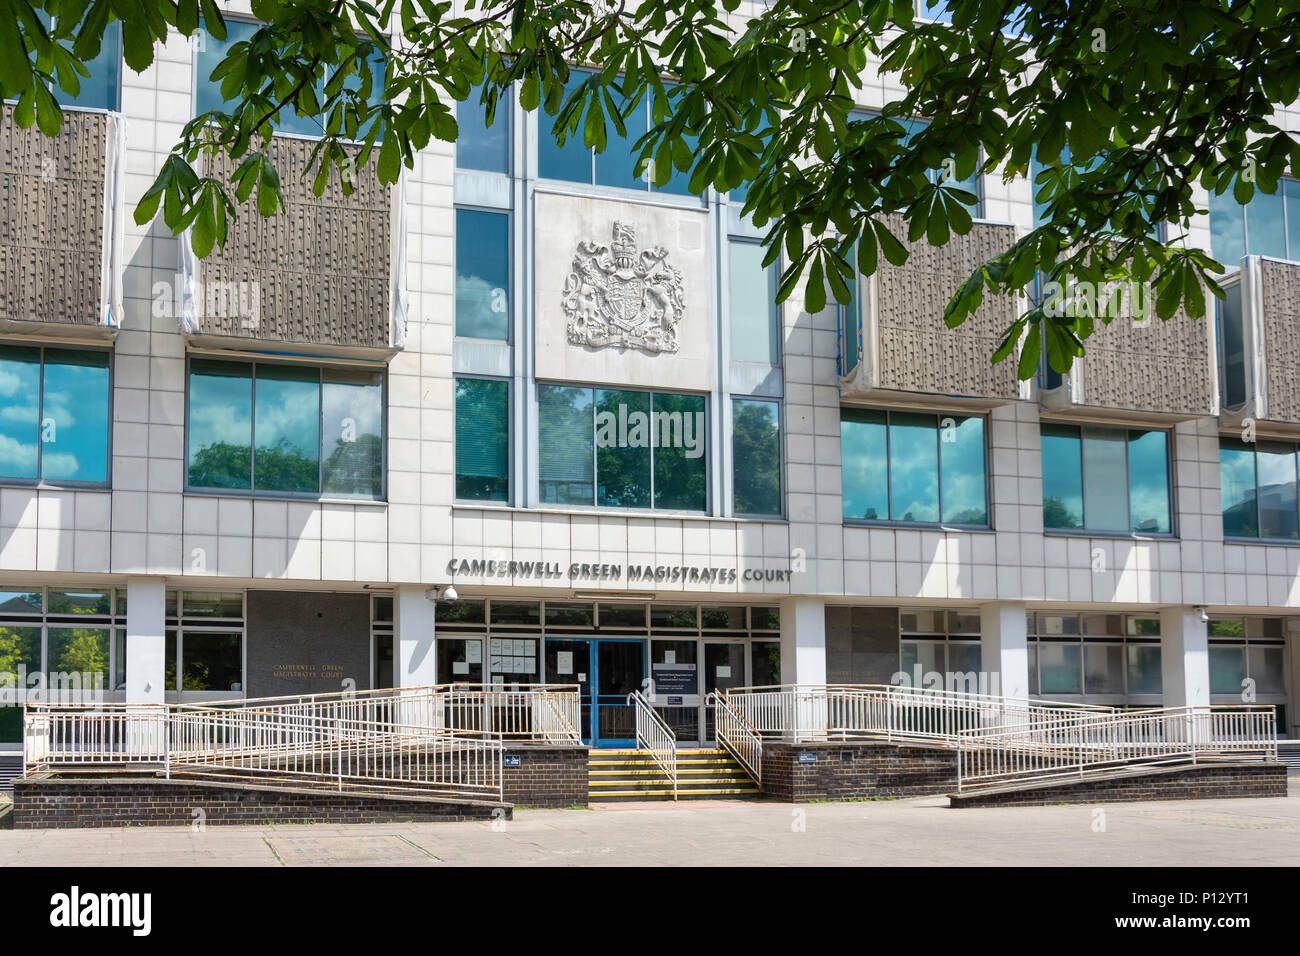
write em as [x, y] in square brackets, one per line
[546, 776]
[844, 771]
[1200, 782]
[67, 802]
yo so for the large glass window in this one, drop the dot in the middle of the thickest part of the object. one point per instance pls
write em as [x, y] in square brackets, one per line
[914, 467]
[1257, 484]
[208, 92]
[622, 448]
[482, 274]
[282, 429]
[756, 457]
[1269, 225]
[479, 146]
[55, 421]
[205, 642]
[1105, 479]
[1111, 656]
[482, 439]
[616, 164]
[99, 90]
[1249, 654]
[754, 325]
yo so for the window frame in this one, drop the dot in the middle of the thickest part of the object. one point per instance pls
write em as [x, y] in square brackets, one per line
[1291, 255]
[1126, 697]
[776, 314]
[508, 122]
[508, 215]
[320, 494]
[780, 452]
[41, 482]
[594, 507]
[510, 445]
[1170, 484]
[1254, 460]
[174, 627]
[889, 480]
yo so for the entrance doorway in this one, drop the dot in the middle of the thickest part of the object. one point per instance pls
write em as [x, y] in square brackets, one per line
[724, 668]
[606, 670]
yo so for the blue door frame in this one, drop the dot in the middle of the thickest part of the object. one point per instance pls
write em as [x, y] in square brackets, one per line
[592, 698]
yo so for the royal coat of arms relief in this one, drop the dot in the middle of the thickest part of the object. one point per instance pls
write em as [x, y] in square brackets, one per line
[621, 297]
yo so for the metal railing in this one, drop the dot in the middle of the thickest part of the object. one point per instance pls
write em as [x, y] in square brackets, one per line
[736, 735]
[654, 734]
[843, 712]
[1079, 744]
[443, 738]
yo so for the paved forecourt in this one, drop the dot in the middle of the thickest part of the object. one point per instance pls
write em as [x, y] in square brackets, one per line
[921, 831]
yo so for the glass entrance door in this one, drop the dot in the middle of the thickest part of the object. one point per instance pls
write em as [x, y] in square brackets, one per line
[606, 670]
[724, 668]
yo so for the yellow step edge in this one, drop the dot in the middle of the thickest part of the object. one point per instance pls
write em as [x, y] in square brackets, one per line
[669, 793]
[618, 783]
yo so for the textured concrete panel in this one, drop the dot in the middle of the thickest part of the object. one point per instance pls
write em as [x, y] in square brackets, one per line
[1152, 366]
[1280, 297]
[306, 642]
[916, 351]
[318, 269]
[52, 220]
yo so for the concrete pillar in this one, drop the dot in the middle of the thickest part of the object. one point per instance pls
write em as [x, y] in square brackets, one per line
[803, 661]
[1184, 657]
[146, 640]
[803, 641]
[415, 662]
[1004, 649]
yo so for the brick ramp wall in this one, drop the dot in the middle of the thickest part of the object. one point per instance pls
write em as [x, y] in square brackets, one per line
[546, 776]
[54, 802]
[848, 771]
[1191, 782]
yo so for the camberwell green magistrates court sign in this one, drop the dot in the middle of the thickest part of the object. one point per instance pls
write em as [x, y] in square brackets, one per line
[632, 573]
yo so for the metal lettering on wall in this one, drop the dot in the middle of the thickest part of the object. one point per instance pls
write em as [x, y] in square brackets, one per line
[617, 297]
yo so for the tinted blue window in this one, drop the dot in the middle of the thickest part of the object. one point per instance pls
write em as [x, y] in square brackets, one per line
[756, 457]
[570, 162]
[863, 452]
[74, 416]
[913, 467]
[286, 429]
[616, 165]
[482, 439]
[754, 330]
[1105, 479]
[352, 432]
[1237, 489]
[221, 425]
[100, 89]
[479, 146]
[20, 421]
[961, 463]
[482, 274]
[1062, 456]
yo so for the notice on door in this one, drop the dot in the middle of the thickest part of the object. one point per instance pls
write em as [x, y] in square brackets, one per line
[672, 678]
[564, 662]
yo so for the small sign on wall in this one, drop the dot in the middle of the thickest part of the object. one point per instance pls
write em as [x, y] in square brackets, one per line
[807, 756]
[514, 760]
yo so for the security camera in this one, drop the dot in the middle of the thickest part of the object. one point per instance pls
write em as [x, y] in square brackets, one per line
[446, 593]
[1205, 616]
[449, 593]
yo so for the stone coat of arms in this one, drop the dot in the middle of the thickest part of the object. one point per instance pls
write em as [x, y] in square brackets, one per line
[620, 297]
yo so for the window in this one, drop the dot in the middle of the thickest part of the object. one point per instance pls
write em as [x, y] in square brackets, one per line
[55, 425]
[1258, 487]
[912, 126]
[915, 467]
[616, 165]
[61, 645]
[479, 146]
[1113, 656]
[1269, 225]
[205, 642]
[482, 439]
[482, 274]
[754, 326]
[99, 90]
[621, 448]
[941, 649]
[208, 95]
[285, 429]
[756, 457]
[1105, 479]
[1249, 653]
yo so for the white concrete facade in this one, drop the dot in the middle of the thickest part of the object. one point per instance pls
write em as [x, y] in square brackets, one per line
[148, 535]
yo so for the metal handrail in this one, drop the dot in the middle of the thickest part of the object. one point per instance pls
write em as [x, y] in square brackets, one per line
[653, 732]
[736, 735]
[1076, 745]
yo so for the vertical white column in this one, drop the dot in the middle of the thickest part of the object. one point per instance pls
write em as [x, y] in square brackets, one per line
[146, 640]
[1184, 657]
[415, 661]
[803, 661]
[1004, 649]
[803, 641]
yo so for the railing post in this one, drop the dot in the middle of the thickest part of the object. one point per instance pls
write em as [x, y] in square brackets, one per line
[338, 737]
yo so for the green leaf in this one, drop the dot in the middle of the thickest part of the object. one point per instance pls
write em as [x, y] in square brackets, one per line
[815, 293]
[1029, 355]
